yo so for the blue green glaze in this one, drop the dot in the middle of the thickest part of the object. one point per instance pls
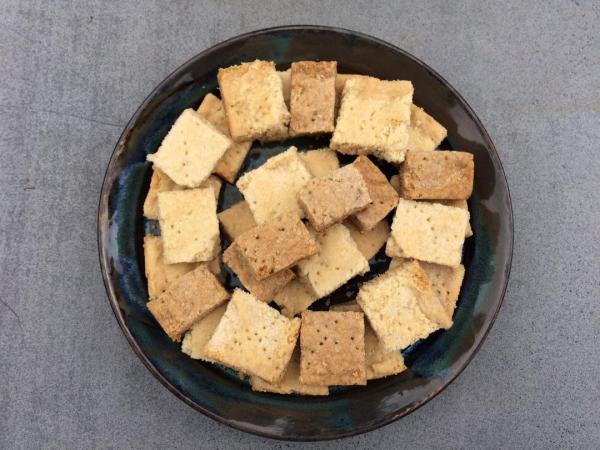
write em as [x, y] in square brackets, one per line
[218, 392]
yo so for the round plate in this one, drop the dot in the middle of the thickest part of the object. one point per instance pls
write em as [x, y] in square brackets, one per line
[433, 363]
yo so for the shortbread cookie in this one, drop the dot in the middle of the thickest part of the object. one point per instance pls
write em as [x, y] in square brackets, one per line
[254, 338]
[187, 300]
[332, 348]
[272, 189]
[252, 95]
[374, 118]
[190, 150]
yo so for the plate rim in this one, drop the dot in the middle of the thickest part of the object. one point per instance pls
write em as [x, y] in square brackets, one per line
[104, 260]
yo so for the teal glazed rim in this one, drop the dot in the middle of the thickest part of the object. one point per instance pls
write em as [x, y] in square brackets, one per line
[433, 363]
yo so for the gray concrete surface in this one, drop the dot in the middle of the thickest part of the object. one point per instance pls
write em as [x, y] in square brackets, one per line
[72, 74]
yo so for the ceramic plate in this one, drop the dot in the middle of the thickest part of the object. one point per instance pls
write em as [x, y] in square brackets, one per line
[433, 363]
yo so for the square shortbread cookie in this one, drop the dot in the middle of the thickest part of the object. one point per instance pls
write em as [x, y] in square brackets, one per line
[395, 182]
[320, 162]
[439, 175]
[197, 337]
[424, 132]
[276, 245]
[330, 199]
[430, 231]
[187, 300]
[370, 242]
[236, 219]
[383, 195]
[290, 383]
[374, 118]
[265, 289]
[337, 262]
[190, 150]
[312, 98]
[445, 281]
[188, 225]
[254, 338]
[272, 189]
[332, 348]
[392, 303]
[230, 163]
[380, 362]
[295, 297]
[159, 274]
[252, 94]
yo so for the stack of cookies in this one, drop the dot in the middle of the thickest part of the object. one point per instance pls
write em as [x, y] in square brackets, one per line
[306, 227]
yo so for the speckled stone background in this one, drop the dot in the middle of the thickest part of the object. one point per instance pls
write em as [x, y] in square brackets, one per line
[72, 74]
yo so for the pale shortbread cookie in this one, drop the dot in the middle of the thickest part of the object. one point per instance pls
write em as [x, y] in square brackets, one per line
[430, 231]
[236, 219]
[392, 303]
[197, 337]
[272, 189]
[439, 175]
[286, 84]
[320, 162]
[188, 225]
[338, 260]
[424, 133]
[190, 150]
[295, 297]
[445, 281]
[332, 348]
[395, 182]
[330, 199]
[254, 338]
[252, 95]
[276, 245]
[312, 98]
[380, 362]
[290, 383]
[384, 197]
[374, 118]
[187, 300]
[230, 163]
[370, 242]
[159, 274]
[265, 289]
